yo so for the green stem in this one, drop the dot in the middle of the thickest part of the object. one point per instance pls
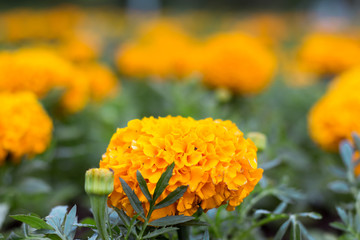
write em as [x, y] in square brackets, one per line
[146, 222]
[253, 201]
[212, 225]
[98, 206]
[183, 233]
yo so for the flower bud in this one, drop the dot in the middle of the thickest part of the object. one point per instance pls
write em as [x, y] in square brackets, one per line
[99, 181]
[259, 139]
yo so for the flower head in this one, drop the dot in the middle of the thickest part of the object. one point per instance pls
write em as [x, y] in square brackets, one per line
[318, 53]
[25, 128]
[335, 116]
[237, 62]
[162, 50]
[211, 156]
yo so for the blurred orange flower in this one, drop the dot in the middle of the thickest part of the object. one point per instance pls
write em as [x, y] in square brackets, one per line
[237, 62]
[25, 128]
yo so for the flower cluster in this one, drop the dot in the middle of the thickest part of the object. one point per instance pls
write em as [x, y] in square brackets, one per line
[335, 116]
[211, 156]
[49, 24]
[40, 70]
[25, 128]
[237, 62]
[320, 53]
[161, 50]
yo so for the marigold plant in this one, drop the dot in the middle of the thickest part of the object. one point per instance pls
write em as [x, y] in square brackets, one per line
[237, 62]
[335, 116]
[211, 156]
[325, 53]
[25, 127]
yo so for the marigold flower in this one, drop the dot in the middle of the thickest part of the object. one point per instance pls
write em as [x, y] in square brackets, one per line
[318, 55]
[237, 62]
[211, 156]
[41, 70]
[161, 50]
[25, 128]
[102, 81]
[335, 116]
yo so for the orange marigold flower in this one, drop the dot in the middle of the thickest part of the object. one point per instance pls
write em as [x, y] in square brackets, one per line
[318, 55]
[41, 70]
[102, 81]
[335, 116]
[25, 128]
[162, 50]
[211, 156]
[237, 62]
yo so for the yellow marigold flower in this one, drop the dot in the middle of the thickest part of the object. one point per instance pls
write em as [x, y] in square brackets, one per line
[211, 156]
[25, 128]
[41, 70]
[102, 81]
[237, 62]
[318, 53]
[161, 50]
[335, 116]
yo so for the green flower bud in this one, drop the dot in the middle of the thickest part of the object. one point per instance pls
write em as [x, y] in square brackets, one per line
[259, 139]
[99, 181]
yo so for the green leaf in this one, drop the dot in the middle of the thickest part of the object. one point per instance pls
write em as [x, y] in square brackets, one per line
[339, 225]
[171, 220]
[305, 232]
[56, 217]
[143, 186]
[172, 197]
[206, 235]
[261, 212]
[160, 232]
[195, 223]
[343, 215]
[124, 218]
[295, 232]
[339, 187]
[4, 209]
[282, 230]
[1, 237]
[281, 208]
[134, 200]
[33, 186]
[312, 215]
[163, 181]
[70, 221]
[32, 221]
[346, 153]
[356, 138]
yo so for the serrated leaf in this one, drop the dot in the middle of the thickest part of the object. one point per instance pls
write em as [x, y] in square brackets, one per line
[282, 230]
[206, 235]
[356, 138]
[346, 153]
[339, 187]
[160, 232]
[305, 232]
[134, 200]
[56, 217]
[312, 215]
[339, 225]
[195, 223]
[124, 218]
[32, 221]
[172, 197]
[344, 217]
[163, 181]
[143, 186]
[171, 220]
[70, 221]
